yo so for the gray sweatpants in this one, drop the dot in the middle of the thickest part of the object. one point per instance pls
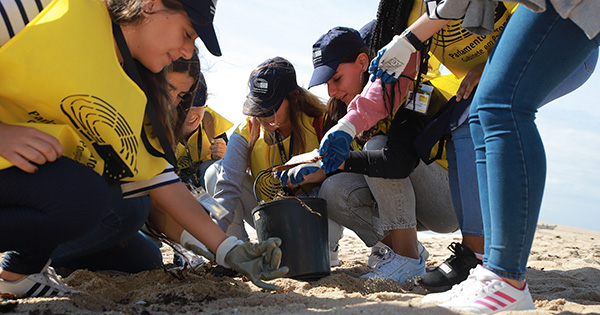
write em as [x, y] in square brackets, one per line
[371, 206]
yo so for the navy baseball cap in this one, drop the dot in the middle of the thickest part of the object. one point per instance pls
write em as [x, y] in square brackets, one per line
[200, 97]
[269, 83]
[329, 50]
[366, 32]
[202, 14]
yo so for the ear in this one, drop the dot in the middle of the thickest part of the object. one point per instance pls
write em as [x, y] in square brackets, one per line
[149, 6]
[363, 60]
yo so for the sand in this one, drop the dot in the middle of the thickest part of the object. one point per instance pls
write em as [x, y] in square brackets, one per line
[563, 275]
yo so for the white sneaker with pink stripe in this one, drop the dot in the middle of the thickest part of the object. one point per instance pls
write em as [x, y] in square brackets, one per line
[492, 295]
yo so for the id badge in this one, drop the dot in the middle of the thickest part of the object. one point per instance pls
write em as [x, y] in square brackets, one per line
[422, 99]
[208, 202]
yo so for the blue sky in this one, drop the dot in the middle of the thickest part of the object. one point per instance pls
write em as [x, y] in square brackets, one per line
[252, 31]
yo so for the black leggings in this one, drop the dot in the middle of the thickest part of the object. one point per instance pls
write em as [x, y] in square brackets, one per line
[59, 203]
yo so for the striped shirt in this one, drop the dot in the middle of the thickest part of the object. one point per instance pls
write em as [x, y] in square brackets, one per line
[140, 188]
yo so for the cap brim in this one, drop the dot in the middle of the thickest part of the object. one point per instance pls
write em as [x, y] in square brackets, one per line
[321, 75]
[209, 38]
[253, 108]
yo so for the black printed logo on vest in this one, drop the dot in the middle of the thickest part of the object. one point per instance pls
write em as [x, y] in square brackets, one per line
[267, 185]
[454, 33]
[93, 117]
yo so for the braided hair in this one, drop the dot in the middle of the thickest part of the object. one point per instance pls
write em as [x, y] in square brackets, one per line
[392, 20]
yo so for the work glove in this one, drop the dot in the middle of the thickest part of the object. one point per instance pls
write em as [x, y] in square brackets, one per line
[295, 175]
[335, 145]
[391, 60]
[255, 261]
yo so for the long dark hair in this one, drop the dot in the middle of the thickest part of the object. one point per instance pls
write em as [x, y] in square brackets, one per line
[129, 12]
[190, 67]
[392, 20]
[336, 109]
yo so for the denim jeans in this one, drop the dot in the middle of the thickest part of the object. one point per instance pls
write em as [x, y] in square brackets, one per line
[61, 202]
[462, 175]
[371, 207]
[114, 243]
[534, 54]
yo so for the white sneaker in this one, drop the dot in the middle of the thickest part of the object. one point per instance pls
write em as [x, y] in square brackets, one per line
[456, 291]
[190, 260]
[334, 260]
[380, 249]
[491, 295]
[396, 267]
[45, 283]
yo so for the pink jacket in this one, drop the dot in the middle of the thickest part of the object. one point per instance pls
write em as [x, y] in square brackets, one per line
[367, 108]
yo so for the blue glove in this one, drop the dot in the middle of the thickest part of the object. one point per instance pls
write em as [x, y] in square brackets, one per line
[391, 60]
[335, 145]
[295, 175]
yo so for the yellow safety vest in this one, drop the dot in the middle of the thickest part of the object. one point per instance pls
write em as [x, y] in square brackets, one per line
[60, 74]
[183, 161]
[264, 155]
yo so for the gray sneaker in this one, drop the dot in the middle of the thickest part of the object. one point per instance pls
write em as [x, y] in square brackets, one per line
[395, 267]
[379, 250]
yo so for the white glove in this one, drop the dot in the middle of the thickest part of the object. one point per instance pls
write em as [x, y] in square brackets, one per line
[391, 60]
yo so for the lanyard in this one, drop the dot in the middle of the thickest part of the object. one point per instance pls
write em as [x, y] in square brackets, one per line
[284, 157]
[133, 73]
[194, 167]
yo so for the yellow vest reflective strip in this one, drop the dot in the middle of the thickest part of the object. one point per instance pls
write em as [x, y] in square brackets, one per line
[62, 69]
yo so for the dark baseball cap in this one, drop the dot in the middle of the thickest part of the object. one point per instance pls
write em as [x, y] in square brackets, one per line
[366, 32]
[329, 50]
[202, 14]
[200, 97]
[269, 83]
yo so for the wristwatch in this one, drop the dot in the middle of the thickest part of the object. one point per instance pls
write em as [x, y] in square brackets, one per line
[413, 40]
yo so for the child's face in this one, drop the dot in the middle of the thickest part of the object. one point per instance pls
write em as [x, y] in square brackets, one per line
[347, 82]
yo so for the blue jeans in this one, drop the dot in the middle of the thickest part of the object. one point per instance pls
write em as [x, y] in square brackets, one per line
[462, 175]
[534, 54]
[63, 201]
[115, 243]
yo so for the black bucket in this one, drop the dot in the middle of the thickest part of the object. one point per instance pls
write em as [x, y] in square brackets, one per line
[302, 228]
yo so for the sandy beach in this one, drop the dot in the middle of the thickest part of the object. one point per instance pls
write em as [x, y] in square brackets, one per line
[563, 275]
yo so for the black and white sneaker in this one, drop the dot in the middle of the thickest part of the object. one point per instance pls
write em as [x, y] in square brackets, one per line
[45, 283]
[452, 271]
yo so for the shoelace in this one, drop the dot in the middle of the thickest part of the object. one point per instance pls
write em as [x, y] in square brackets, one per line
[452, 248]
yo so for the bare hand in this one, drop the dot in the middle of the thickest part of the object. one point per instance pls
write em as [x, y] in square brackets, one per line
[469, 82]
[27, 147]
[217, 149]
